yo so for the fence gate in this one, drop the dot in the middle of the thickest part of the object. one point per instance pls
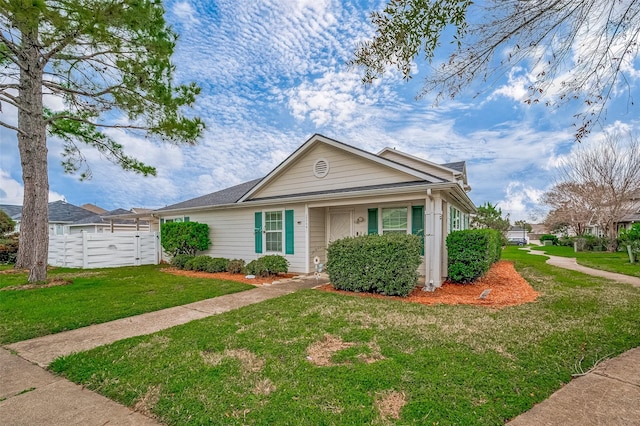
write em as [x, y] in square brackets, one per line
[104, 250]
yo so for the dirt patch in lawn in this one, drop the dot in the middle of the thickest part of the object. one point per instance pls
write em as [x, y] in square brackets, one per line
[390, 403]
[227, 276]
[502, 286]
[52, 282]
[320, 353]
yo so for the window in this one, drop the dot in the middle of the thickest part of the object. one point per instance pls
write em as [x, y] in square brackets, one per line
[273, 231]
[457, 220]
[394, 220]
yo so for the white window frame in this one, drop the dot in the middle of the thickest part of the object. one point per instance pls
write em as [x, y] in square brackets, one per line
[407, 229]
[273, 232]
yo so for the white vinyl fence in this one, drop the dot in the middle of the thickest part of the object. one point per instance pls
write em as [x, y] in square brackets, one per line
[104, 250]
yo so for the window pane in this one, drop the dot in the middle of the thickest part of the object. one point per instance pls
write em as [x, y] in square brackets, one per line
[274, 241]
[394, 220]
[273, 221]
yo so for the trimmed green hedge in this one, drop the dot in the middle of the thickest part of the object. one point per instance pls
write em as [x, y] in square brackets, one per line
[184, 237]
[471, 253]
[386, 264]
[271, 264]
[549, 237]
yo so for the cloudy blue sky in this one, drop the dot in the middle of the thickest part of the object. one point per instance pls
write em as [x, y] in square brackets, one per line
[273, 73]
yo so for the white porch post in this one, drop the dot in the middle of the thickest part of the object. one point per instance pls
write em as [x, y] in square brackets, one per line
[438, 241]
[307, 269]
[428, 240]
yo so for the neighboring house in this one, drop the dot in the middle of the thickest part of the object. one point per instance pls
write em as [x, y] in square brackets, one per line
[328, 190]
[61, 214]
[633, 217]
[108, 222]
[66, 218]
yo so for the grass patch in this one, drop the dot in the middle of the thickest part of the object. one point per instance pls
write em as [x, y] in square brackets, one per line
[96, 296]
[612, 262]
[385, 361]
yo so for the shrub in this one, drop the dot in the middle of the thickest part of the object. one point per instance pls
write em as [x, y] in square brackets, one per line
[386, 264]
[471, 253]
[184, 237]
[217, 264]
[566, 241]
[179, 260]
[236, 266]
[549, 237]
[264, 266]
[631, 238]
[9, 249]
[198, 263]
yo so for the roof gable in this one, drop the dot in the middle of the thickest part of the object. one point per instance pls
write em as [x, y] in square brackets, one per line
[323, 164]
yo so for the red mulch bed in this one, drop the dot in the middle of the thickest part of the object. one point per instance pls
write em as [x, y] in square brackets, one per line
[227, 276]
[507, 287]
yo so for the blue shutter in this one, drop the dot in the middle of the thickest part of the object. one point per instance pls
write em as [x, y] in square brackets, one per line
[372, 227]
[258, 232]
[288, 231]
[417, 224]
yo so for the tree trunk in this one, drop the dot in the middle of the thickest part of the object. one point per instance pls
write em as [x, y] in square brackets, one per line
[34, 224]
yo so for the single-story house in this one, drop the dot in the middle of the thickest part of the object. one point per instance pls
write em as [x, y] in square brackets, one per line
[67, 218]
[328, 190]
[61, 214]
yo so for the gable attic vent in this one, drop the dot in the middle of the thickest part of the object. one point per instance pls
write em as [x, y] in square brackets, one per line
[321, 168]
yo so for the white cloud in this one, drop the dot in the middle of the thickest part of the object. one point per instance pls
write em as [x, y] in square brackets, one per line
[12, 191]
[185, 12]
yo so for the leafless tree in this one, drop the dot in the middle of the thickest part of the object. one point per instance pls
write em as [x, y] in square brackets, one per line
[603, 178]
[571, 50]
[571, 208]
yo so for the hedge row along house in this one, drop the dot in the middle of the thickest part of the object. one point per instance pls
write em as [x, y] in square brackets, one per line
[328, 190]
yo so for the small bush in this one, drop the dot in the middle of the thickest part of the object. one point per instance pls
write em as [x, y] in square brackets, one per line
[179, 260]
[386, 264]
[236, 266]
[566, 241]
[9, 249]
[198, 263]
[549, 237]
[217, 264]
[471, 253]
[264, 266]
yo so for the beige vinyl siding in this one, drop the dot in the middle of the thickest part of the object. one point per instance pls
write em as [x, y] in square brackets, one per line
[418, 165]
[232, 234]
[346, 170]
[317, 236]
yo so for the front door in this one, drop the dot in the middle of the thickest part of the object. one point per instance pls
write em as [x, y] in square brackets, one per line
[340, 225]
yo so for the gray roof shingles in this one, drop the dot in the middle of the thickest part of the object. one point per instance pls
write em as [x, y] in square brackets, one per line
[59, 211]
[225, 196]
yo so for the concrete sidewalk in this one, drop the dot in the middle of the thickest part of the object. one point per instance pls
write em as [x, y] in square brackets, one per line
[572, 263]
[608, 395]
[32, 396]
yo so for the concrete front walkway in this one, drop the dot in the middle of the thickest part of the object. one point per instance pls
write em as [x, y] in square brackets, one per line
[32, 396]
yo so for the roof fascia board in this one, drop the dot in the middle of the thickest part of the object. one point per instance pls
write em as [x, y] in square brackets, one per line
[413, 157]
[317, 138]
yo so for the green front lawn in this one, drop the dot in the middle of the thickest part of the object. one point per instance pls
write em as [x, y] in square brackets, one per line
[612, 262]
[96, 296]
[440, 364]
